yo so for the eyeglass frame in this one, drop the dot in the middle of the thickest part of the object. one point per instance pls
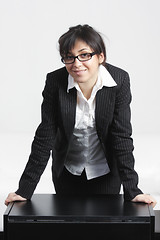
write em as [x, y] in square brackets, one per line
[74, 57]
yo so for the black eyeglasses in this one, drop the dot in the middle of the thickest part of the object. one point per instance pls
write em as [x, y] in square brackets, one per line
[81, 57]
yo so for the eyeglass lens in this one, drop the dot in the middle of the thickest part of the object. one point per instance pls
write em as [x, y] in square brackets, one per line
[82, 57]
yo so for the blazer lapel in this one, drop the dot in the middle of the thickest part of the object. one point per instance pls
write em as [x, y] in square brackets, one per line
[105, 100]
[68, 110]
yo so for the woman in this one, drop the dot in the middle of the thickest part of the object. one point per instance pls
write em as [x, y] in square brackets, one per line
[85, 124]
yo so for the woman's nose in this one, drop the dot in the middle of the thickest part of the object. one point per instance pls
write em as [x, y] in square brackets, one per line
[77, 62]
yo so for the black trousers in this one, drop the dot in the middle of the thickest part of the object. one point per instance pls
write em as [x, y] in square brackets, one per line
[68, 183]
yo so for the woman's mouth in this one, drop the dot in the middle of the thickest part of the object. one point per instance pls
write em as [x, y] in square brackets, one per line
[79, 72]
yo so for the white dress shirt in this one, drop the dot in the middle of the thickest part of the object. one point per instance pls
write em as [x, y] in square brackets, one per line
[85, 149]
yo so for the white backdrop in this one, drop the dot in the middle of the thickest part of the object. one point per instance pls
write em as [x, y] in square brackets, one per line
[29, 31]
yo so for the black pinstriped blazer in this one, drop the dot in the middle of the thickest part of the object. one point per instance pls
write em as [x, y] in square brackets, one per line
[112, 116]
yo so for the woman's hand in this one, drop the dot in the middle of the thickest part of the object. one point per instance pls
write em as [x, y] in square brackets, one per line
[146, 198]
[13, 197]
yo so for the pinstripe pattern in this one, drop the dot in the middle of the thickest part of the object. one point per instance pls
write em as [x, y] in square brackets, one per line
[113, 126]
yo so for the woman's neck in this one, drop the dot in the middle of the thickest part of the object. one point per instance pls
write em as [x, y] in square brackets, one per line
[87, 88]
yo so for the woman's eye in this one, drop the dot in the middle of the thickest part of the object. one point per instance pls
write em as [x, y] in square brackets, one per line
[69, 57]
[84, 55]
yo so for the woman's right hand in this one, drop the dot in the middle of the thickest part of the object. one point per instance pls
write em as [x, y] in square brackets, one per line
[13, 197]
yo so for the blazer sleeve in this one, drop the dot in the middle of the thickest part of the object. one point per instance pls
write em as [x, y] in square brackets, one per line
[122, 142]
[43, 141]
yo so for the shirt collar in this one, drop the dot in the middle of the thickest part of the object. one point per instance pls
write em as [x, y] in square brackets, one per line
[104, 79]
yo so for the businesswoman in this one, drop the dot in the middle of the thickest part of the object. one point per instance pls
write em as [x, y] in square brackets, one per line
[85, 125]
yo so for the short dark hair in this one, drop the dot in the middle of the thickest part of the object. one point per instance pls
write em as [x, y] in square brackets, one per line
[85, 33]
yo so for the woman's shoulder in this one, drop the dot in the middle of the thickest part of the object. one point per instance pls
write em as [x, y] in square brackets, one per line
[58, 78]
[61, 72]
[114, 69]
[119, 75]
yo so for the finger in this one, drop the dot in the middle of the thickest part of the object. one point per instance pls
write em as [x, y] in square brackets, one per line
[6, 202]
[150, 200]
[8, 199]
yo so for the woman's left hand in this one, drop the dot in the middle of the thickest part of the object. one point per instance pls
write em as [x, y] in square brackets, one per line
[146, 198]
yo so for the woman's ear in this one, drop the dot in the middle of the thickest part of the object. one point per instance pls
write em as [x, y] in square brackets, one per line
[101, 58]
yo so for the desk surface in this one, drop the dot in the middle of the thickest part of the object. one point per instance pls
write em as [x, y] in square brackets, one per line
[66, 216]
[54, 207]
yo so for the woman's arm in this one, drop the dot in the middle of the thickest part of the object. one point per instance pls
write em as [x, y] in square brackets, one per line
[122, 142]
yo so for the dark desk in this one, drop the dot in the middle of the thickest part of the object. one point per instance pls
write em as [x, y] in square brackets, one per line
[78, 217]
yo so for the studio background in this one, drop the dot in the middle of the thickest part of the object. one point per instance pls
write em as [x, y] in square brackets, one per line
[29, 32]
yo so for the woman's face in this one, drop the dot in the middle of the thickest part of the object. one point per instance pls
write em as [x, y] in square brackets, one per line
[84, 72]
